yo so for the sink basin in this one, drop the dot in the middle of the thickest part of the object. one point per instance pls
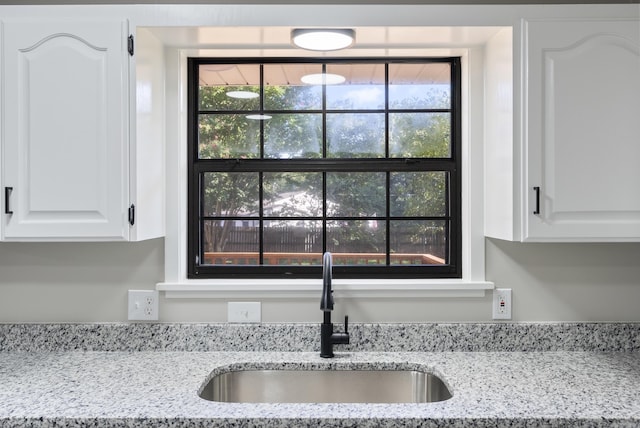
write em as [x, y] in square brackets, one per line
[325, 386]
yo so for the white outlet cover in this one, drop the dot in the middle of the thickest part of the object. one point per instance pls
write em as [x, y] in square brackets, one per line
[244, 312]
[143, 305]
[502, 304]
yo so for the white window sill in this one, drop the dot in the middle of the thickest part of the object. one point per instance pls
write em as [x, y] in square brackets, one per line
[311, 288]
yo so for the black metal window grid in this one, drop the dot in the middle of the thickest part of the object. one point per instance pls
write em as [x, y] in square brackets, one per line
[259, 227]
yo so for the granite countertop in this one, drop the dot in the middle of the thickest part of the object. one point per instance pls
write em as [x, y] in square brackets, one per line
[159, 389]
[149, 374]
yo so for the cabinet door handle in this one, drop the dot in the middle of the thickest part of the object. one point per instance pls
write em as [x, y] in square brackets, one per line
[132, 214]
[537, 190]
[7, 194]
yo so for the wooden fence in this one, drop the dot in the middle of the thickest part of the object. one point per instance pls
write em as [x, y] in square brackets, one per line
[302, 259]
[305, 241]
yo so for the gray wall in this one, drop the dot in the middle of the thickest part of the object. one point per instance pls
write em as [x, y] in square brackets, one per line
[88, 282]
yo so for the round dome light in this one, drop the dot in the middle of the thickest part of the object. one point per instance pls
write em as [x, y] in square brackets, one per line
[244, 95]
[323, 39]
[323, 78]
[258, 116]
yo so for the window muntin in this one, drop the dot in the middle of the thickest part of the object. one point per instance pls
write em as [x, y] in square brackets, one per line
[376, 182]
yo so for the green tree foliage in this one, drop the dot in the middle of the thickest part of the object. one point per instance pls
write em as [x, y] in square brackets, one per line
[231, 135]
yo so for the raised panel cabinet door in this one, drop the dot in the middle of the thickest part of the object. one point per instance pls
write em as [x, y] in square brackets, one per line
[66, 129]
[582, 130]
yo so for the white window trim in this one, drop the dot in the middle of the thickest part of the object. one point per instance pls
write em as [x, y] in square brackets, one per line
[472, 283]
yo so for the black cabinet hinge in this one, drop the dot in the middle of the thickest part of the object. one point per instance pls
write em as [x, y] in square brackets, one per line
[130, 45]
[132, 214]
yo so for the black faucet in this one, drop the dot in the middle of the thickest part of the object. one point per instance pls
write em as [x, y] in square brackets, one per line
[327, 337]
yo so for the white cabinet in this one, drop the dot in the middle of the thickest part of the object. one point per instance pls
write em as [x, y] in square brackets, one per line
[66, 140]
[582, 130]
[576, 145]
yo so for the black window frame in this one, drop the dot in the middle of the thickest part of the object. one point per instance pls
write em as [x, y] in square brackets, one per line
[452, 165]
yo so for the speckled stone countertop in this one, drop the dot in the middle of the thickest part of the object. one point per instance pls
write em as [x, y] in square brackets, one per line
[150, 388]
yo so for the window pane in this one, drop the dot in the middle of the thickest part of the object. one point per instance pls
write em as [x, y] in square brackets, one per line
[414, 194]
[292, 194]
[363, 88]
[285, 90]
[418, 242]
[293, 242]
[356, 194]
[223, 136]
[229, 87]
[420, 135]
[420, 86]
[231, 242]
[355, 135]
[323, 167]
[230, 194]
[357, 242]
[293, 136]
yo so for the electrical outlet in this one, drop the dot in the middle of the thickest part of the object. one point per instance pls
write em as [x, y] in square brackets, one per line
[502, 304]
[143, 305]
[244, 312]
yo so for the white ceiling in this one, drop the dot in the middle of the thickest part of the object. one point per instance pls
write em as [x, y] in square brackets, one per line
[235, 42]
[275, 41]
[259, 42]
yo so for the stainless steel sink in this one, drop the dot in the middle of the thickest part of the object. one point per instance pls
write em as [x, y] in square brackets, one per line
[325, 386]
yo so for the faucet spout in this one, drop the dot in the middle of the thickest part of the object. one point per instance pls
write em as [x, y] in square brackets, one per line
[327, 336]
[326, 301]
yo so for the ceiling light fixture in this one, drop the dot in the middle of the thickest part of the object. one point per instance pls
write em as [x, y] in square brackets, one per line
[245, 95]
[323, 79]
[258, 117]
[321, 39]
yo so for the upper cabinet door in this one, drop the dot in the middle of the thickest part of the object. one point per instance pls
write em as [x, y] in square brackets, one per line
[66, 129]
[582, 130]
